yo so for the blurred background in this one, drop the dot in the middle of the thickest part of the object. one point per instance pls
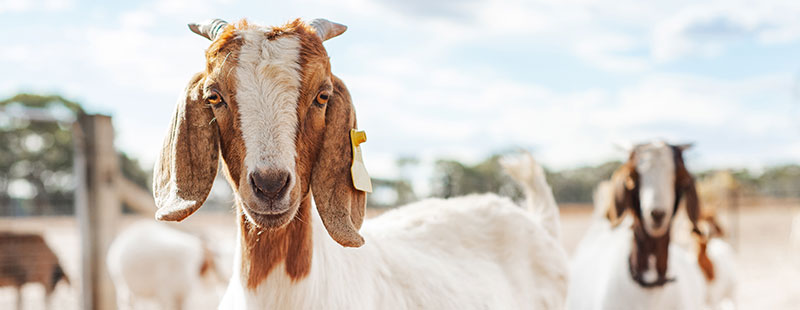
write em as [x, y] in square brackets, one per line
[443, 89]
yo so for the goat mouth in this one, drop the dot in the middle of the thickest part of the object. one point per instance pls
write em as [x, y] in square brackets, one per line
[268, 220]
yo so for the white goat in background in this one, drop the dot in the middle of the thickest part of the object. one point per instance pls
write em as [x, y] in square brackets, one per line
[151, 262]
[284, 125]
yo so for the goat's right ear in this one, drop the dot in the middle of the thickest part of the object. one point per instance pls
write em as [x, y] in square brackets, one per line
[624, 185]
[187, 165]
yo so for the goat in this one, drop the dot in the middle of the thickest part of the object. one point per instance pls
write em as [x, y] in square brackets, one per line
[284, 126]
[151, 261]
[26, 258]
[641, 268]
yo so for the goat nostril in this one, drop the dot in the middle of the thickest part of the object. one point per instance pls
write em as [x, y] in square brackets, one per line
[270, 183]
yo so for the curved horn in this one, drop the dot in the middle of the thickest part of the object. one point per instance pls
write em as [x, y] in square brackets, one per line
[327, 29]
[211, 29]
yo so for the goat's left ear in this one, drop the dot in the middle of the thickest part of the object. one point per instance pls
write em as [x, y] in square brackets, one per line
[684, 182]
[341, 206]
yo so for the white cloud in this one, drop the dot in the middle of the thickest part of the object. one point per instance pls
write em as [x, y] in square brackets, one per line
[137, 19]
[467, 113]
[607, 52]
[707, 28]
[34, 5]
[602, 33]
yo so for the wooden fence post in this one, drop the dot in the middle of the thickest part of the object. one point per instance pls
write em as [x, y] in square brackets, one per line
[97, 205]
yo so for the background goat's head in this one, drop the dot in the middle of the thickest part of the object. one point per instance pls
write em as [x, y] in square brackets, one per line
[268, 103]
[651, 184]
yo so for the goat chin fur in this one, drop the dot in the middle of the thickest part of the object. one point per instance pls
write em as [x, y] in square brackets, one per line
[600, 276]
[471, 252]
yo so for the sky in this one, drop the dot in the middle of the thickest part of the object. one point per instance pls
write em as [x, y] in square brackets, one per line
[570, 80]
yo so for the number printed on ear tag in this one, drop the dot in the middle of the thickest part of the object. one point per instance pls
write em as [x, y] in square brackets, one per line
[358, 171]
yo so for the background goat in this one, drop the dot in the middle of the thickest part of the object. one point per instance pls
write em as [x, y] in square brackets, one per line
[149, 261]
[641, 269]
[284, 126]
[26, 258]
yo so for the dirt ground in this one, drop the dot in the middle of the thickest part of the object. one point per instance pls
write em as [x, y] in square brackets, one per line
[768, 265]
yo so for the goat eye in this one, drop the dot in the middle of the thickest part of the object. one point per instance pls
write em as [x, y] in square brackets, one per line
[215, 99]
[322, 98]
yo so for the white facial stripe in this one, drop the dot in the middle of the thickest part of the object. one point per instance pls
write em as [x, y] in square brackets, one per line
[268, 76]
[655, 165]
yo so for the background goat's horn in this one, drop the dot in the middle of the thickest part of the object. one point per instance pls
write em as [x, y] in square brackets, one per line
[327, 29]
[210, 29]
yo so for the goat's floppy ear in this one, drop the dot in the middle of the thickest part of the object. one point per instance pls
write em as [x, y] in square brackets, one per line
[684, 184]
[341, 206]
[187, 165]
[624, 184]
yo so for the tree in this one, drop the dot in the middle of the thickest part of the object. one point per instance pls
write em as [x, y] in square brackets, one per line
[453, 178]
[36, 155]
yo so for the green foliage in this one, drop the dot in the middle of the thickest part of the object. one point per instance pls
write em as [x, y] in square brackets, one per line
[780, 181]
[577, 185]
[43, 102]
[453, 178]
[399, 192]
[389, 193]
[36, 156]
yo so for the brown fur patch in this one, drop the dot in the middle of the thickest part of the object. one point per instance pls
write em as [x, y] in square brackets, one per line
[702, 259]
[644, 246]
[262, 250]
[292, 244]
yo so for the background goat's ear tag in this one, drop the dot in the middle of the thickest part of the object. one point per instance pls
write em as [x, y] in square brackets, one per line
[358, 171]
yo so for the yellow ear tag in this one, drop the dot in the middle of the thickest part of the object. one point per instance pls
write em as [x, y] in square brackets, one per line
[358, 171]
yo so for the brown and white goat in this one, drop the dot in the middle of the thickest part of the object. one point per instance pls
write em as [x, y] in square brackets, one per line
[649, 186]
[26, 258]
[268, 103]
[645, 270]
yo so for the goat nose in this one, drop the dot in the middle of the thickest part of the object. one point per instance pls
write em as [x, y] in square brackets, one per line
[658, 216]
[270, 183]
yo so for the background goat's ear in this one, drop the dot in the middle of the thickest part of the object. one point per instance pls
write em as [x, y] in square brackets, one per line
[624, 183]
[341, 206]
[685, 183]
[187, 165]
[684, 146]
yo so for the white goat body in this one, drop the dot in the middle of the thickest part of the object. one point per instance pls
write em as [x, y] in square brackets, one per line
[601, 278]
[151, 261]
[472, 252]
[722, 289]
